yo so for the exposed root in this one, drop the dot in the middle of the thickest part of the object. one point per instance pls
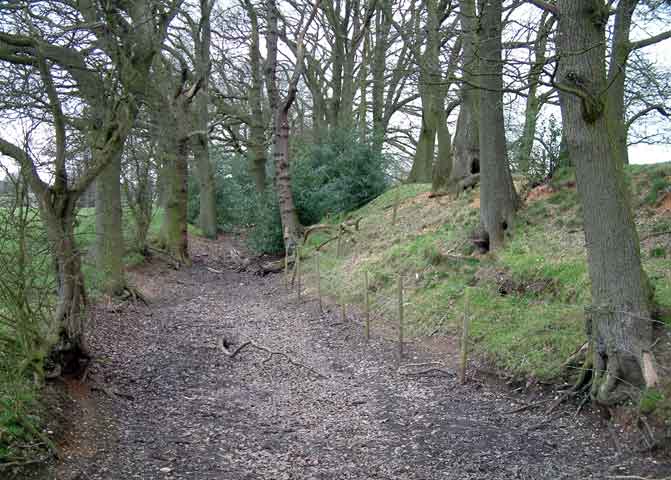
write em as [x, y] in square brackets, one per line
[232, 354]
[433, 367]
[134, 295]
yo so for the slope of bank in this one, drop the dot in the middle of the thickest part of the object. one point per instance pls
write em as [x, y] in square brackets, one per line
[526, 302]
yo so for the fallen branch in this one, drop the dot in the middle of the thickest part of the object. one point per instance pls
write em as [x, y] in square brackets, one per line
[428, 370]
[433, 367]
[271, 353]
[656, 234]
[111, 391]
[25, 463]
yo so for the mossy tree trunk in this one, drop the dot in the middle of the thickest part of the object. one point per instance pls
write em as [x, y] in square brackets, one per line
[174, 236]
[109, 244]
[466, 137]
[498, 199]
[619, 327]
[534, 102]
[257, 134]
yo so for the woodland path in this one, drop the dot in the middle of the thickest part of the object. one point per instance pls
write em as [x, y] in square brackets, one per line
[187, 411]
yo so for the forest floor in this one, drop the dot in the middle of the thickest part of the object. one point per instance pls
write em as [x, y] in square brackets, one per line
[163, 401]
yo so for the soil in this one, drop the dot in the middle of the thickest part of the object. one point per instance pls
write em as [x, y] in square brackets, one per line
[163, 401]
[664, 205]
[541, 192]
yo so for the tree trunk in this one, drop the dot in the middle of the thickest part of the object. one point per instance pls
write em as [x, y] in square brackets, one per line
[174, 229]
[207, 212]
[423, 163]
[291, 227]
[617, 74]
[442, 168]
[618, 325]
[533, 104]
[290, 224]
[383, 22]
[109, 244]
[58, 214]
[466, 136]
[498, 200]
[257, 137]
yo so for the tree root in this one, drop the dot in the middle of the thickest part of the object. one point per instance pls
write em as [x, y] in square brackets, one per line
[433, 367]
[134, 295]
[232, 354]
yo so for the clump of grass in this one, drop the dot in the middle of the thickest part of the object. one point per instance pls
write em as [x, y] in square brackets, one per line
[659, 184]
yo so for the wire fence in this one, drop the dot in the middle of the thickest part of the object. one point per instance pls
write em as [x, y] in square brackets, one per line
[392, 316]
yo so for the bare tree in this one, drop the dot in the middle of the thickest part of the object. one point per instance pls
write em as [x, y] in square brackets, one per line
[133, 33]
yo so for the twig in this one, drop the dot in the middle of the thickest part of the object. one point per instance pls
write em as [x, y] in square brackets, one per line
[270, 353]
[428, 370]
[653, 235]
[7, 465]
[213, 270]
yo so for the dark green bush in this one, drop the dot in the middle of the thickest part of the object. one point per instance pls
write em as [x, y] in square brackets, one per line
[334, 176]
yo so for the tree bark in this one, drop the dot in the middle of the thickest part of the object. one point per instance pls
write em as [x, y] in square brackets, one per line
[466, 136]
[109, 244]
[442, 168]
[533, 103]
[257, 136]
[617, 75]
[498, 199]
[291, 226]
[618, 325]
[58, 214]
[174, 237]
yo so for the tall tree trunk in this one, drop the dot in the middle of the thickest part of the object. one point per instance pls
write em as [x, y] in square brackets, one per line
[498, 200]
[442, 168]
[207, 212]
[422, 166]
[58, 214]
[383, 22]
[533, 103]
[174, 229]
[257, 137]
[290, 224]
[432, 94]
[618, 325]
[109, 244]
[466, 136]
[617, 74]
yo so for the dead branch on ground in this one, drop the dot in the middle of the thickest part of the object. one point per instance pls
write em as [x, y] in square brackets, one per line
[232, 354]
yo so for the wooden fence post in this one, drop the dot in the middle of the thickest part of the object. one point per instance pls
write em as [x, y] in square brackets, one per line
[298, 273]
[400, 317]
[366, 305]
[464, 340]
[397, 200]
[286, 269]
[319, 284]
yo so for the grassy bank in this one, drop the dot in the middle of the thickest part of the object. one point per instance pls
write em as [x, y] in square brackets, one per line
[526, 301]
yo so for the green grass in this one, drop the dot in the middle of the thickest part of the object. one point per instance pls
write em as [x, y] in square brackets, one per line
[528, 332]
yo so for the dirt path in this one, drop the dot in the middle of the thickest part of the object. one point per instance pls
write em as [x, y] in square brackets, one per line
[186, 411]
